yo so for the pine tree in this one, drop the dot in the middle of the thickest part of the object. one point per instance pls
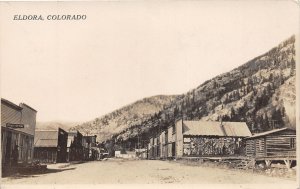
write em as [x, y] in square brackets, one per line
[265, 125]
[232, 114]
[293, 67]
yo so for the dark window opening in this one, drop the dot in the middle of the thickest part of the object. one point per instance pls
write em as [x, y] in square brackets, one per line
[293, 143]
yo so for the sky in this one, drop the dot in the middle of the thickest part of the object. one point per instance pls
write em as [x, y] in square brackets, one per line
[124, 51]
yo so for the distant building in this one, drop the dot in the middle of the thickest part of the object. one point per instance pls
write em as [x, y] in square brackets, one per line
[17, 133]
[90, 148]
[199, 139]
[50, 146]
[74, 146]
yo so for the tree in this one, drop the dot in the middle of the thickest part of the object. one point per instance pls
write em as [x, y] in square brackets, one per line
[293, 67]
[265, 125]
[232, 114]
[271, 78]
[283, 112]
[259, 121]
[176, 111]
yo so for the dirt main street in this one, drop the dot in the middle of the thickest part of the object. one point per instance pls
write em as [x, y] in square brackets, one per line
[116, 171]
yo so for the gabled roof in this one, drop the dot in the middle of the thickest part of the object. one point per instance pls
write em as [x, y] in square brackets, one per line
[214, 128]
[23, 104]
[9, 103]
[270, 132]
[46, 138]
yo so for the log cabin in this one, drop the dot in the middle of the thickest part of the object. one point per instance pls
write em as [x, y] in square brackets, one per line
[274, 145]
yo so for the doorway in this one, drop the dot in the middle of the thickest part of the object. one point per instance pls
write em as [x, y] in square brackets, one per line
[8, 149]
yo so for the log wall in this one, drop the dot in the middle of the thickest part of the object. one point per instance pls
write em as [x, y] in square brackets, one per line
[279, 144]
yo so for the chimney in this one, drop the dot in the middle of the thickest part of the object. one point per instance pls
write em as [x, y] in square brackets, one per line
[221, 121]
[222, 128]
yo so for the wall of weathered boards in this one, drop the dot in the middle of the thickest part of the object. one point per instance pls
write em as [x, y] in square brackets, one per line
[275, 143]
[17, 133]
[184, 138]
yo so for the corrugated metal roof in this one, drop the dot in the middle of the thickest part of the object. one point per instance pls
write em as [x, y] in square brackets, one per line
[214, 128]
[270, 132]
[46, 138]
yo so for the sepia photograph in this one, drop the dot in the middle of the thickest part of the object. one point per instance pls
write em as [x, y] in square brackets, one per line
[150, 93]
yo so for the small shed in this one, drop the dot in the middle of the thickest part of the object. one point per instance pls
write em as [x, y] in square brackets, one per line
[277, 144]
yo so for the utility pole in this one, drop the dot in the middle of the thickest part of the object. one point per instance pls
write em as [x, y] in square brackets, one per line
[138, 136]
[138, 146]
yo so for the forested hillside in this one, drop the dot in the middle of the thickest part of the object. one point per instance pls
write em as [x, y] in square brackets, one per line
[261, 92]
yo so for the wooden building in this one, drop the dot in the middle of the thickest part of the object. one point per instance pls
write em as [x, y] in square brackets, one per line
[90, 148]
[201, 139]
[50, 146]
[210, 138]
[162, 145]
[74, 146]
[17, 134]
[155, 146]
[277, 144]
[171, 135]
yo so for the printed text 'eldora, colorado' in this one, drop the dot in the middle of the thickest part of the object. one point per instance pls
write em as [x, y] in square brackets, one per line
[59, 17]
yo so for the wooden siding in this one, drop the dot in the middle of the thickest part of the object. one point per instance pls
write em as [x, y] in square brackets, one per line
[162, 144]
[179, 139]
[278, 144]
[9, 115]
[45, 155]
[170, 150]
[260, 147]
[28, 119]
[170, 140]
[24, 115]
[250, 148]
[9, 139]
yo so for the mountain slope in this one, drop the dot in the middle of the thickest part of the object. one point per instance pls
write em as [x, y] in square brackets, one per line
[126, 117]
[53, 125]
[261, 92]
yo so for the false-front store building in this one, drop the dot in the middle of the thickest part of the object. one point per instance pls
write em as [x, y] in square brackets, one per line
[17, 134]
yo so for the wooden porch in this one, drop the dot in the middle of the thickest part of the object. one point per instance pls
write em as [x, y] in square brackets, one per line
[245, 162]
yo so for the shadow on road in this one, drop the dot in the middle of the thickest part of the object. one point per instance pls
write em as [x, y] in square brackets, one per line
[27, 173]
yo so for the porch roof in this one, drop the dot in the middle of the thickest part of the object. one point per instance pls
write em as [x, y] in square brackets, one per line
[269, 132]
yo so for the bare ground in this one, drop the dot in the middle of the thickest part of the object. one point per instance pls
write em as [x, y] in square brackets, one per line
[116, 171]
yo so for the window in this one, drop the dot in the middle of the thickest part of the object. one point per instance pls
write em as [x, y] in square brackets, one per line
[293, 143]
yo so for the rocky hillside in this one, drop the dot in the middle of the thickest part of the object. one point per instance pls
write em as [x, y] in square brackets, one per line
[261, 92]
[125, 118]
